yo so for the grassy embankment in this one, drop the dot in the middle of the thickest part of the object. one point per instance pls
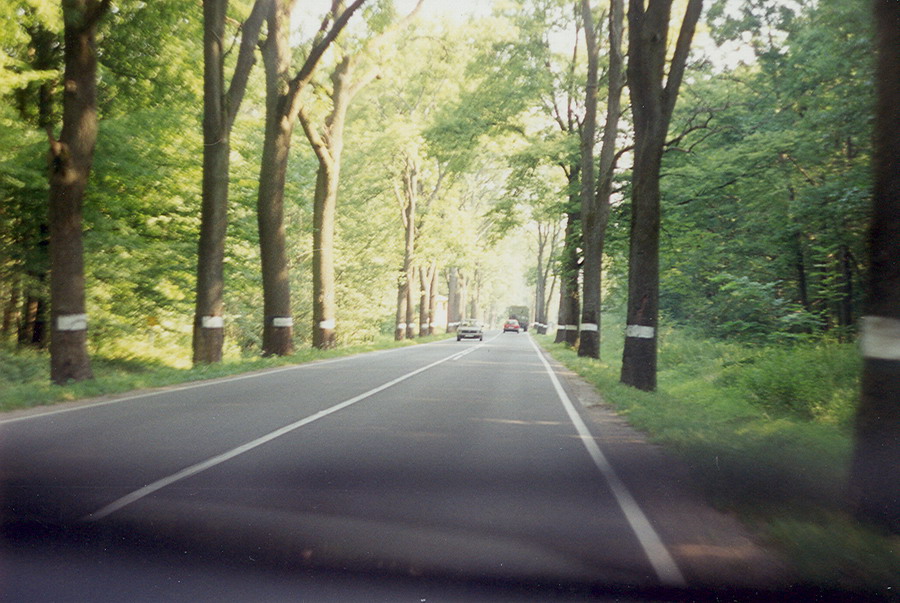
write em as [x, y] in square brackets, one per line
[767, 433]
[25, 381]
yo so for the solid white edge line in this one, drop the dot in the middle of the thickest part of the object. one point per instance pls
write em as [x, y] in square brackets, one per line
[207, 383]
[662, 561]
[219, 459]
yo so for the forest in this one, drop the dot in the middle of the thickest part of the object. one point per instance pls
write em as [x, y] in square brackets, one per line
[185, 183]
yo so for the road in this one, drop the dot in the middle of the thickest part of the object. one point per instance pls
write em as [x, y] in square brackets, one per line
[453, 466]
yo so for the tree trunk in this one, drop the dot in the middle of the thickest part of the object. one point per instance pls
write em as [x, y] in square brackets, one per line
[432, 299]
[208, 317]
[874, 489]
[324, 302]
[277, 317]
[71, 158]
[411, 303]
[569, 299]
[453, 298]
[639, 355]
[652, 102]
[595, 204]
[428, 299]
[219, 109]
[400, 320]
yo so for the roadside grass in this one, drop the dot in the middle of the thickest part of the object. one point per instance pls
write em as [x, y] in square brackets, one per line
[25, 380]
[766, 433]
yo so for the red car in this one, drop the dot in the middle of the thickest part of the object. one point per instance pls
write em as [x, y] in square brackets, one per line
[511, 325]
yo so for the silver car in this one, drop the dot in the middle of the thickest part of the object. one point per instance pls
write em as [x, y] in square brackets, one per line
[469, 329]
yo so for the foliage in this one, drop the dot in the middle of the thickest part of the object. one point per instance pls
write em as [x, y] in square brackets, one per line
[812, 382]
[766, 182]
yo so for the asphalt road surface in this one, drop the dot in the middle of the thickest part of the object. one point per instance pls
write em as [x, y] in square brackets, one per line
[447, 471]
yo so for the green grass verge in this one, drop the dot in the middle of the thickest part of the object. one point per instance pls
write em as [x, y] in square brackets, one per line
[25, 381]
[766, 434]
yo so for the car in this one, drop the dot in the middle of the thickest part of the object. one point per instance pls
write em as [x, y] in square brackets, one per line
[470, 329]
[511, 325]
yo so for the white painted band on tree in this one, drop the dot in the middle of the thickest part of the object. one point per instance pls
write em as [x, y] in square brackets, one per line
[71, 322]
[880, 338]
[640, 332]
[571, 327]
[327, 324]
[401, 326]
[589, 326]
[212, 322]
[423, 326]
[282, 321]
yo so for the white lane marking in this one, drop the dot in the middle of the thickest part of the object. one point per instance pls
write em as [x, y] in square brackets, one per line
[218, 460]
[663, 564]
[209, 382]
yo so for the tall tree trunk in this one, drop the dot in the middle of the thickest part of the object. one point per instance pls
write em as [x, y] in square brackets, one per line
[208, 316]
[283, 107]
[411, 297]
[400, 320]
[875, 472]
[407, 197]
[71, 158]
[219, 110]
[569, 299]
[432, 299]
[652, 102]
[324, 301]
[328, 146]
[540, 290]
[277, 317]
[425, 300]
[453, 298]
[595, 204]
[589, 336]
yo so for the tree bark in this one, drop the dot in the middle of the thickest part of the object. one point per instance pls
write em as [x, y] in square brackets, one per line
[71, 158]
[595, 206]
[652, 102]
[407, 197]
[589, 336]
[324, 209]
[277, 316]
[453, 299]
[400, 318]
[874, 489]
[569, 298]
[219, 110]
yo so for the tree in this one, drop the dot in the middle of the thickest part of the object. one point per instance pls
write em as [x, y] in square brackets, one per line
[328, 145]
[653, 99]
[595, 203]
[875, 471]
[283, 105]
[71, 156]
[220, 109]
